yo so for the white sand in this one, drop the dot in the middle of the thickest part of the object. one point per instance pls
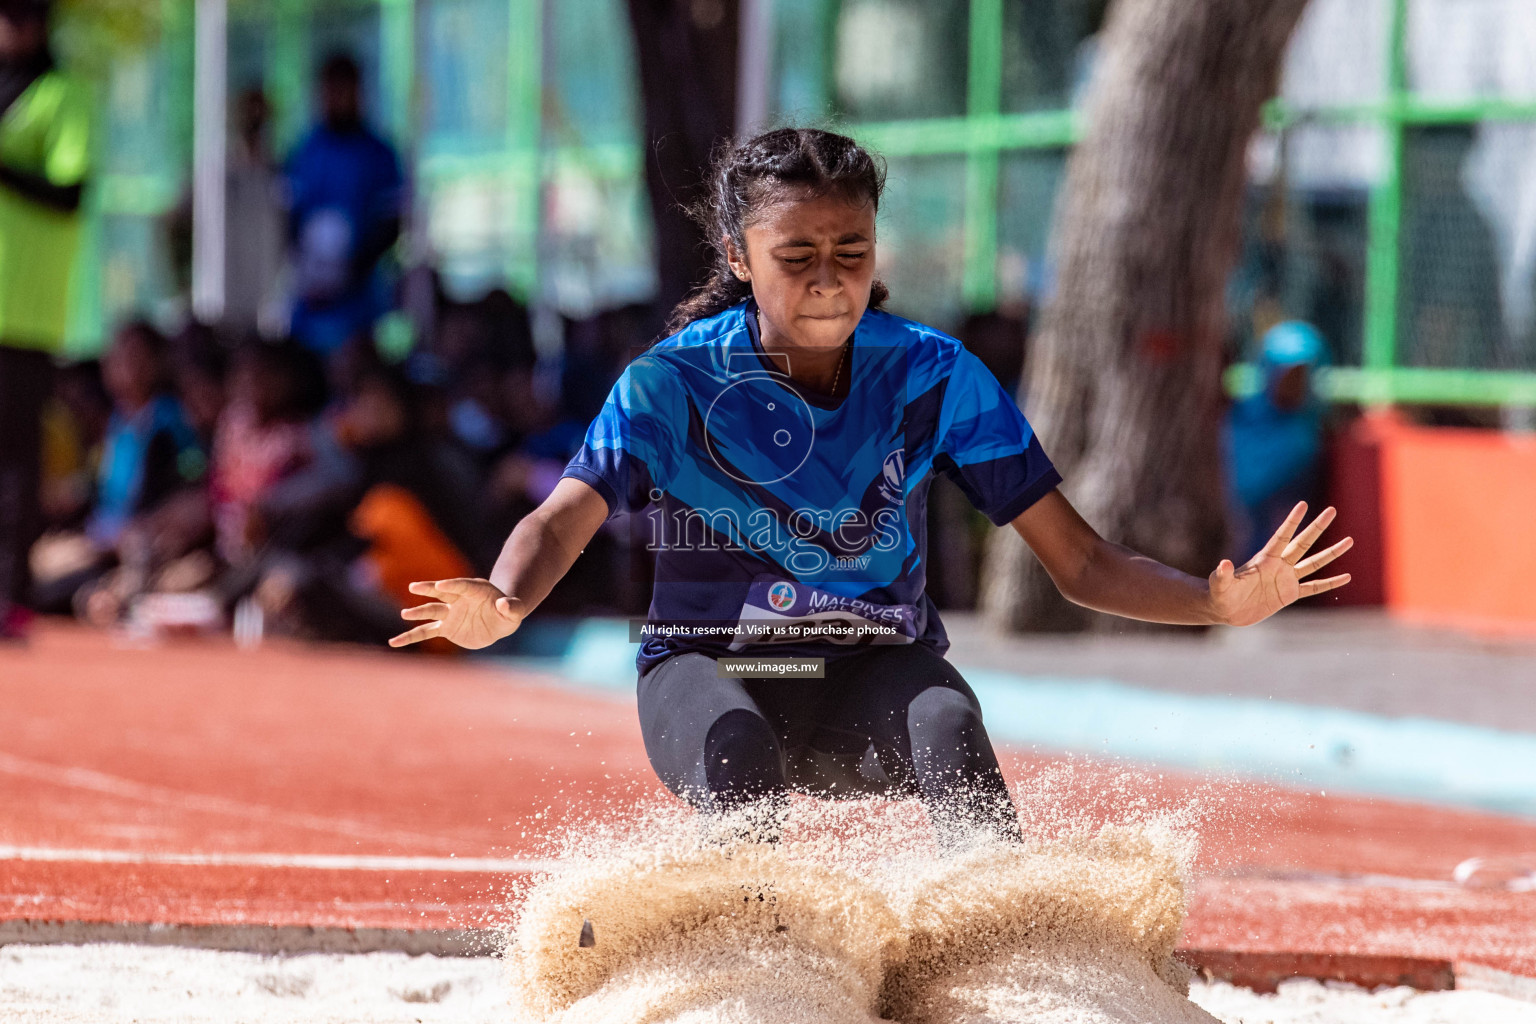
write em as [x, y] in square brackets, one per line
[112, 984]
[106, 984]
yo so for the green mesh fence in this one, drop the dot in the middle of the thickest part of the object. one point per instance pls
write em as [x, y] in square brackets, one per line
[1467, 269]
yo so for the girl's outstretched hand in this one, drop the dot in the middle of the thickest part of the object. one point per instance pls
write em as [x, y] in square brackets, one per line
[471, 613]
[1276, 576]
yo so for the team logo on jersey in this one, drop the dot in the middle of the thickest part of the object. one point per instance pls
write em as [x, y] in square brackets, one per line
[893, 478]
[781, 596]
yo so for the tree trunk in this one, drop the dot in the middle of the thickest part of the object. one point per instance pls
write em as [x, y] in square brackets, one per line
[1124, 381]
[686, 52]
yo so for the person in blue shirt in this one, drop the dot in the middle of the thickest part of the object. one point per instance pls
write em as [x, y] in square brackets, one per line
[781, 444]
[1273, 439]
[346, 198]
[148, 504]
[150, 451]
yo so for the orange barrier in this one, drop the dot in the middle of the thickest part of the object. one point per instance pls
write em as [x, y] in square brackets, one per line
[1444, 520]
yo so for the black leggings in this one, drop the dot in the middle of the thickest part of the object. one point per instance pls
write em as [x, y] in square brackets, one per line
[887, 721]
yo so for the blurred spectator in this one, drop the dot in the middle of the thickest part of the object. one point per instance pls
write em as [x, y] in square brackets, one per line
[485, 352]
[401, 504]
[998, 339]
[509, 330]
[253, 259]
[74, 426]
[44, 157]
[596, 351]
[1273, 439]
[151, 451]
[200, 365]
[956, 531]
[346, 196]
[382, 426]
[150, 456]
[418, 510]
[266, 436]
[332, 484]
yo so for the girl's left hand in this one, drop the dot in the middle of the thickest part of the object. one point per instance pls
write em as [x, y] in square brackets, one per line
[1273, 578]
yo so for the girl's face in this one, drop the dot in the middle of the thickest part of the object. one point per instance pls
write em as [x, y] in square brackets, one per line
[811, 263]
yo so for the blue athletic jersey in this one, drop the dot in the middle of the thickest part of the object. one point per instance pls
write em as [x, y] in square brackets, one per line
[783, 521]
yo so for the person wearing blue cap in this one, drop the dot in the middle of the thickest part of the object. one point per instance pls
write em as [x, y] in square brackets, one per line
[1273, 439]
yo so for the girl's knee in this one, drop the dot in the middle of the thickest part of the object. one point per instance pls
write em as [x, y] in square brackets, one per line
[742, 759]
[940, 716]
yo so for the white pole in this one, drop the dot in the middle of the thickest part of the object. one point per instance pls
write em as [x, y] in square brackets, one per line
[210, 112]
[754, 66]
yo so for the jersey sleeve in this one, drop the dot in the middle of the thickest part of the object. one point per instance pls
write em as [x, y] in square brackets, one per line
[635, 444]
[987, 447]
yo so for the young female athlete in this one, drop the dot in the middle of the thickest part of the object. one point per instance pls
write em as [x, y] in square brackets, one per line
[783, 439]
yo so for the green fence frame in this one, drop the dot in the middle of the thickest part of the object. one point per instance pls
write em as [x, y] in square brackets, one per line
[982, 136]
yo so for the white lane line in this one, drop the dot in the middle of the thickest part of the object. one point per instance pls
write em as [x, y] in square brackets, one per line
[323, 862]
[115, 785]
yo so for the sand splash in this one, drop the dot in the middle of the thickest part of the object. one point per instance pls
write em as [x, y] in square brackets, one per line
[854, 918]
[735, 934]
[1076, 930]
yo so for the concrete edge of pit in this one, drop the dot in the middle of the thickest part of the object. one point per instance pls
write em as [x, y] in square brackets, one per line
[271, 940]
[1490, 979]
[1263, 971]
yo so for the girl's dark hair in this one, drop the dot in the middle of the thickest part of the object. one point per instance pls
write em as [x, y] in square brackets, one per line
[745, 177]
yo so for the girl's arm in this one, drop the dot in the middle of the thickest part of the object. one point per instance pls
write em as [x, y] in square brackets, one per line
[1092, 572]
[476, 613]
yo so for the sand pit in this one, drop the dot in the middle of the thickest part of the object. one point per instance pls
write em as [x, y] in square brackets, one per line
[735, 934]
[164, 985]
[852, 920]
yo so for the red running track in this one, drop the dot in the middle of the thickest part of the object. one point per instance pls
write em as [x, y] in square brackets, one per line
[197, 784]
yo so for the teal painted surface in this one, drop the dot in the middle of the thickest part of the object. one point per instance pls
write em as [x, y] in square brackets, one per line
[1300, 745]
[1297, 744]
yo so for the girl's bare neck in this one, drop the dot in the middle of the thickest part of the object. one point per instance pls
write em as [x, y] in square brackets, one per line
[819, 369]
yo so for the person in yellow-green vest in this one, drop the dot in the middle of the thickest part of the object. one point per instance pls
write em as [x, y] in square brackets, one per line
[44, 157]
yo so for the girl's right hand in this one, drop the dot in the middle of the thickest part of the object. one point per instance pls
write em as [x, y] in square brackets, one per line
[472, 613]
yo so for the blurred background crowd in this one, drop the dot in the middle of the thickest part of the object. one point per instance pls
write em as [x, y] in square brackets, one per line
[301, 301]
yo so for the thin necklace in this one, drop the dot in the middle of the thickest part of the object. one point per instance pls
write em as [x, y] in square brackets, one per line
[839, 375]
[757, 315]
